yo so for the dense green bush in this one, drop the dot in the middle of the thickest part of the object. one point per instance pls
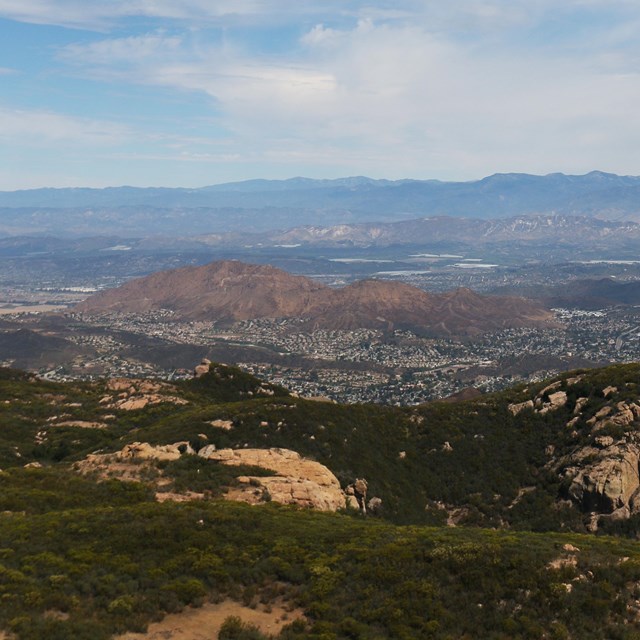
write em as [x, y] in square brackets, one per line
[107, 569]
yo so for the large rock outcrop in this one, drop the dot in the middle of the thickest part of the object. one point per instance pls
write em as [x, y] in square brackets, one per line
[605, 480]
[296, 480]
[132, 460]
[602, 475]
[548, 399]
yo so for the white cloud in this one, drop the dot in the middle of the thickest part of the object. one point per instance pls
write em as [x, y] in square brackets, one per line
[33, 126]
[434, 14]
[412, 87]
[399, 94]
[100, 14]
[132, 50]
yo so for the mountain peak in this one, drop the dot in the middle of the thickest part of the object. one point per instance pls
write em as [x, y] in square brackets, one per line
[233, 290]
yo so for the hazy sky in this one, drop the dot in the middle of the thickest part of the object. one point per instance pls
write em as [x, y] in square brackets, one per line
[196, 92]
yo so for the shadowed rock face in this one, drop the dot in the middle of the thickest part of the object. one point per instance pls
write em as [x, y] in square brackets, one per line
[610, 481]
[231, 290]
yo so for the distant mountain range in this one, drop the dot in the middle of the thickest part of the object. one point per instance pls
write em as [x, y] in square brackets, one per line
[548, 232]
[554, 228]
[232, 290]
[265, 205]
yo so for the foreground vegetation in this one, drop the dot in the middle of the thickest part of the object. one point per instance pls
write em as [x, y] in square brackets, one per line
[81, 558]
[93, 570]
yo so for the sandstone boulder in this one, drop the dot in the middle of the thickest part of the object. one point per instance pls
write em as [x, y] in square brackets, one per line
[520, 406]
[622, 415]
[552, 387]
[555, 401]
[625, 415]
[374, 505]
[222, 424]
[145, 451]
[296, 480]
[206, 451]
[580, 403]
[202, 368]
[133, 394]
[604, 441]
[357, 493]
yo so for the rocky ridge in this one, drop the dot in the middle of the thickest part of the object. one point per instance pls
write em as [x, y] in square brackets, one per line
[568, 229]
[557, 455]
[602, 475]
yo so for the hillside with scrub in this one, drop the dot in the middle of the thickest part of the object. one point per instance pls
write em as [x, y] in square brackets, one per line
[513, 515]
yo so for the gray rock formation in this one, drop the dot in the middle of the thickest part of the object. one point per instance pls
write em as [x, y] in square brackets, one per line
[603, 478]
[605, 481]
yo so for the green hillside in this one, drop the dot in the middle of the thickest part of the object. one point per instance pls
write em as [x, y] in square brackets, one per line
[524, 475]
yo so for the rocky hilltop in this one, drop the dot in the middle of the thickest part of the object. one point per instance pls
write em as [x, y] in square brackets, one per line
[232, 290]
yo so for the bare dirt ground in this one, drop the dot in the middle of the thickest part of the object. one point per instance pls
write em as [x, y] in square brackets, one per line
[204, 623]
[33, 308]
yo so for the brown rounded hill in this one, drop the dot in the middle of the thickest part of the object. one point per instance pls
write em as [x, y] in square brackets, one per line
[231, 290]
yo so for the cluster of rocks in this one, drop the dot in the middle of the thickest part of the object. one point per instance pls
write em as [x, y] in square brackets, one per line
[548, 399]
[294, 480]
[603, 477]
[146, 451]
[131, 394]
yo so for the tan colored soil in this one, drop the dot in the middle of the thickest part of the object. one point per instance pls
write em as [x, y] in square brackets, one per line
[32, 308]
[204, 623]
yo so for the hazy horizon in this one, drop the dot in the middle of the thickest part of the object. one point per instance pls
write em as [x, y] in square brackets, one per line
[320, 179]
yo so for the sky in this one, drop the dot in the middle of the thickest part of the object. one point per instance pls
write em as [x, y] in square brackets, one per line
[197, 92]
